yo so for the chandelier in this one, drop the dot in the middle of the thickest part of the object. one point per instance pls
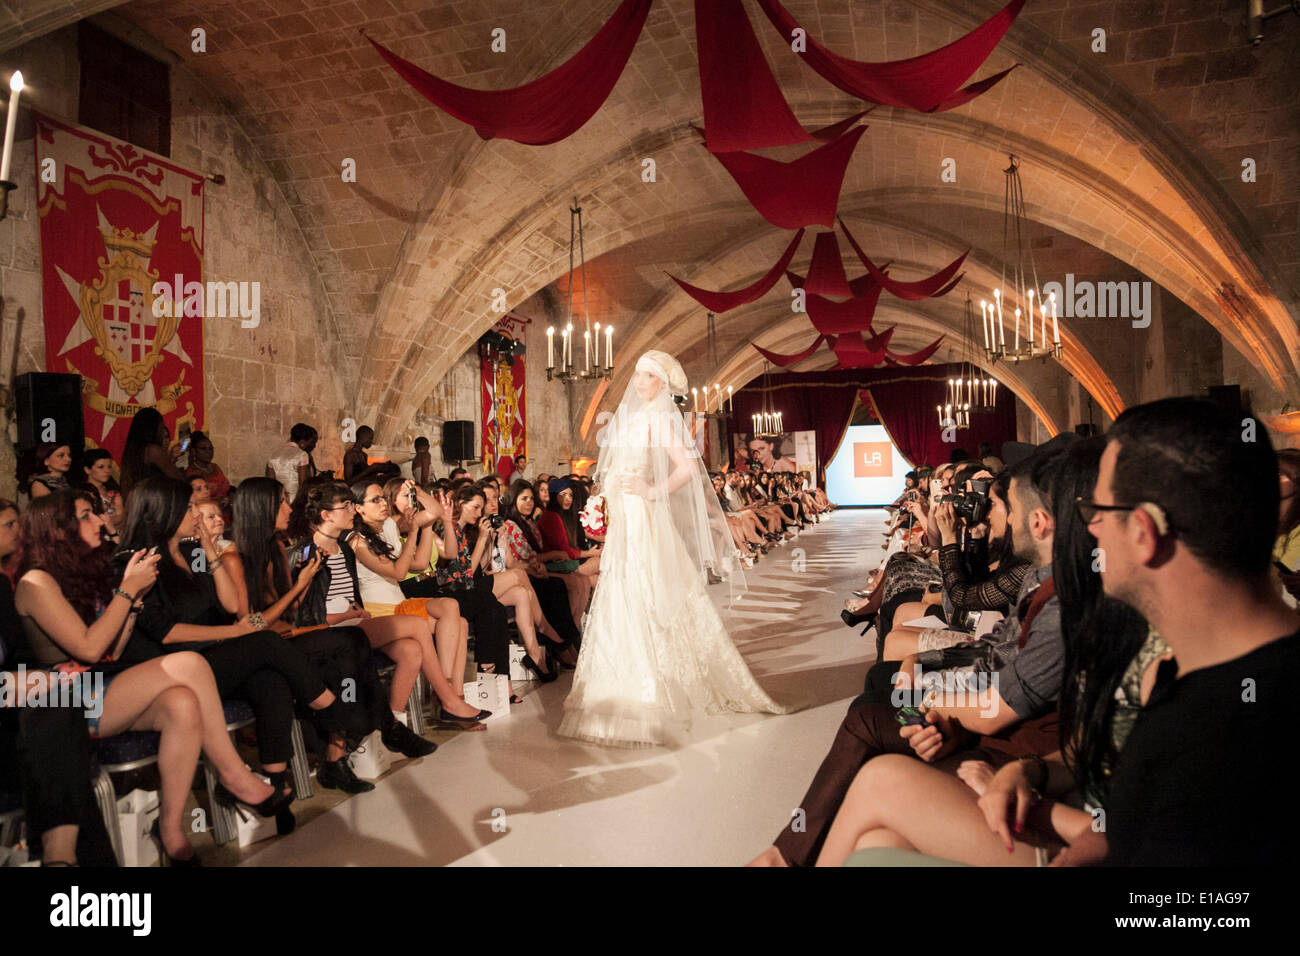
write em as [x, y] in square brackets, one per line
[1015, 306]
[591, 368]
[714, 407]
[767, 421]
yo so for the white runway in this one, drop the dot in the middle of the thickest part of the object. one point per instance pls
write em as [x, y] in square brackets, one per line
[517, 795]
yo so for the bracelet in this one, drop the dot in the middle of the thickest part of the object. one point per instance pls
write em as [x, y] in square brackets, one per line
[256, 619]
[216, 562]
[129, 597]
[1041, 764]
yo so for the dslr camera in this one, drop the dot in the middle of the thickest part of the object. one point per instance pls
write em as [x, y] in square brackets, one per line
[973, 505]
[496, 520]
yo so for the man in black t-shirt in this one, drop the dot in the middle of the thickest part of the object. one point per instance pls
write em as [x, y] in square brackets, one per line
[1184, 513]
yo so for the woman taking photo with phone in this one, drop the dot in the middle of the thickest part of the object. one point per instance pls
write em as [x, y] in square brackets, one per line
[334, 596]
[75, 620]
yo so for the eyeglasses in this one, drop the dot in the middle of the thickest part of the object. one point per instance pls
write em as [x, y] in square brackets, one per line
[373, 501]
[343, 507]
[1089, 509]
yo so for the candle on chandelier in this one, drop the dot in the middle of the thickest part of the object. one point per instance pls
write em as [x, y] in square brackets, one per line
[731, 403]
[609, 346]
[550, 346]
[1030, 310]
[586, 350]
[1056, 332]
[1017, 330]
[1002, 330]
[695, 395]
[984, 322]
[596, 356]
[11, 119]
[1043, 309]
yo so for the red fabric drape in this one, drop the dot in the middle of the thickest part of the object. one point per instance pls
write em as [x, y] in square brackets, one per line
[824, 411]
[726, 301]
[912, 291]
[803, 192]
[907, 409]
[549, 108]
[851, 315]
[857, 287]
[929, 82]
[785, 361]
[743, 105]
[836, 130]
[916, 358]
[826, 273]
[853, 352]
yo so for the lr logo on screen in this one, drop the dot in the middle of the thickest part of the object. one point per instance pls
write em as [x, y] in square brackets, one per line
[873, 459]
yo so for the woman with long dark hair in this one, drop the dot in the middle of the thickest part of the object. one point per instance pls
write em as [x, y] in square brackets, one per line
[560, 529]
[522, 546]
[146, 454]
[342, 654]
[73, 619]
[334, 596]
[97, 472]
[191, 608]
[202, 466]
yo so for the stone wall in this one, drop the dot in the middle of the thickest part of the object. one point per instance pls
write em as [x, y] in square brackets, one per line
[259, 381]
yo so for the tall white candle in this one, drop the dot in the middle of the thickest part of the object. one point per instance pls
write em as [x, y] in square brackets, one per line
[984, 321]
[1056, 331]
[586, 350]
[1030, 310]
[1018, 330]
[596, 357]
[1002, 331]
[15, 88]
[731, 401]
[1043, 310]
[609, 346]
[550, 346]
[696, 396]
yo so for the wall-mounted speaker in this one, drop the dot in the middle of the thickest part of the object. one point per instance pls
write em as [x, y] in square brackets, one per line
[48, 407]
[457, 441]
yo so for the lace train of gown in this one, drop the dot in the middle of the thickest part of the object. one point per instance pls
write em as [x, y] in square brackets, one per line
[654, 647]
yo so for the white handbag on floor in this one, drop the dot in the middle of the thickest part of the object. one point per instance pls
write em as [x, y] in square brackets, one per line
[136, 813]
[490, 692]
[371, 760]
[517, 672]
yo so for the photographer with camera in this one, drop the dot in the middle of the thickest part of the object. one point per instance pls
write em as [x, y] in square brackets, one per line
[972, 540]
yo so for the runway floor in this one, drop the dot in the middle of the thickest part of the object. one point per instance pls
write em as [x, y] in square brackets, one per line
[518, 795]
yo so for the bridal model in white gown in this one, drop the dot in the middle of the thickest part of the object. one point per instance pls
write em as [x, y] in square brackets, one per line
[654, 648]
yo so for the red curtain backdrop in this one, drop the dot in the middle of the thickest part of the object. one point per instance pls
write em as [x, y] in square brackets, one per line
[550, 107]
[116, 225]
[907, 409]
[803, 192]
[726, 301]
[929, 83]
[905, 400]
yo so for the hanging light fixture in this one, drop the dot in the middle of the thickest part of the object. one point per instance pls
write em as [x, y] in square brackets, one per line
[592, 367]
[712, 405]
[971, 389]
[1019, 305]
[767, 421]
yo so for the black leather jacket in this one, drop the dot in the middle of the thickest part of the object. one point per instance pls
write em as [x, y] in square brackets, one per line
[311, 606]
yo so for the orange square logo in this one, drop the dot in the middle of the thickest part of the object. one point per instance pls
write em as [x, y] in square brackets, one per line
[873, 459]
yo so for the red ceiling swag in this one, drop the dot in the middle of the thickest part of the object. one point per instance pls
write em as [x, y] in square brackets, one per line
[785, 361]
[941, 283]
[916, 358]
[726, 301]
[853, 352]
[743, 105]
[549, 108]
[851, 315]
[929, 82]
[826, 273]
[803, 192]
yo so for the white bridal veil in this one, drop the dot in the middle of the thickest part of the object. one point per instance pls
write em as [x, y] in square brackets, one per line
[650, 439]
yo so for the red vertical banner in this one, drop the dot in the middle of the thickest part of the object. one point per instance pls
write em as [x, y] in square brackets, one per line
[122, 276]
[503, 394]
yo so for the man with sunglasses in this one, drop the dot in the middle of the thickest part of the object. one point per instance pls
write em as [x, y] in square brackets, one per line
[1184, 513]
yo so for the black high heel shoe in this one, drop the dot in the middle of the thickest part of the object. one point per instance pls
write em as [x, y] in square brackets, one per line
[282, 781]
[544, 677]
[166, 860]
[853, 620]
[447, 717]
[269, 807]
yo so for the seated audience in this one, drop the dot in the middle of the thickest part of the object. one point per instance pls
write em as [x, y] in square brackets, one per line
[202, 466]
[355, 459]
[53, 465]
[97, 467]
[146, 453]
[561, 532]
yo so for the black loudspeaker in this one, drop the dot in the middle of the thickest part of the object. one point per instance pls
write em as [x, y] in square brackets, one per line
[1229, 396]
[457, 441]
[48, 406]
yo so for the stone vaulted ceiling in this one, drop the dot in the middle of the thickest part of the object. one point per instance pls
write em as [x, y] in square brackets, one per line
[1123, 154]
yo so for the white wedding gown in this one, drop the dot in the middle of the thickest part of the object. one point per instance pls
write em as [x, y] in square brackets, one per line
[654, 647]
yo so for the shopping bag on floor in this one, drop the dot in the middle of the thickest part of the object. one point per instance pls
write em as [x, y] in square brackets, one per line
[490, 692]
[136, 813]
[517, 672]
[371, 759]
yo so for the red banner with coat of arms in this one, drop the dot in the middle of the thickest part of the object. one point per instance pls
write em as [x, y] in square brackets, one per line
[502, 389]
[116, 223]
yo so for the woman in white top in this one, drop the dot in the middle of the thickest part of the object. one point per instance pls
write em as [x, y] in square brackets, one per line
[384, 558]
